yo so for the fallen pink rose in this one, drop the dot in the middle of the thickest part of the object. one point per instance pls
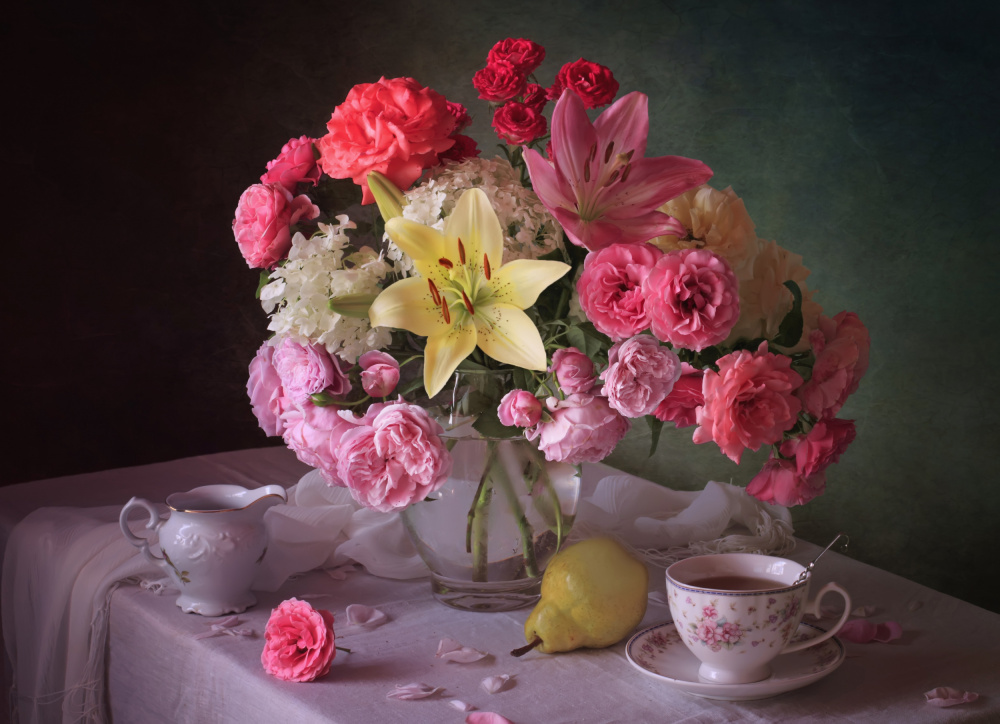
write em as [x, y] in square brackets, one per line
[947, 696]
[452, 650]
[408, 692]
[861, 631]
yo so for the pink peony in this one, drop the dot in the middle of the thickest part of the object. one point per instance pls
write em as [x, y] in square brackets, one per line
[692, 297]
[681, 405]
[307, 370]
[749, 402]
[780, 483]
[520, 408]
[524, 55]
[499, 81]
[264, 217]
[593, 82]
[518, 123]
[841, 347]
[314, 434]
[266, 394]
[379, 373]
[299, 644]
[610, 288]
[574, 370]
[295, 164]
[396, 127]
[583, 429]
[397, 460]
[640, 375]
[821, 447]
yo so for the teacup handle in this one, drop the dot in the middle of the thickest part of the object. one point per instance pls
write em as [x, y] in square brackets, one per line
[813, 608]
[155, 521]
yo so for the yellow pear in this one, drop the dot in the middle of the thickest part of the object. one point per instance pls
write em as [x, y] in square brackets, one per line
[593, 595]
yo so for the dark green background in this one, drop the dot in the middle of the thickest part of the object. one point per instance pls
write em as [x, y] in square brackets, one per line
[860, 135]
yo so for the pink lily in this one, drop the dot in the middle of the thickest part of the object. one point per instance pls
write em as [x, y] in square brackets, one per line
[601, 188]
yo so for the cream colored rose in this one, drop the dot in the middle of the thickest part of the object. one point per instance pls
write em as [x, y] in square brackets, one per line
[765, 300]
[715, 220]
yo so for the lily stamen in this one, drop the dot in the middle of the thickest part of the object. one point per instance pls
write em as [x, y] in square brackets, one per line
[444, 311]
[468, 303]
[486, 266]
[461, 252]
[446, 262]
[435, 294]
[626, 172]
[607, 153]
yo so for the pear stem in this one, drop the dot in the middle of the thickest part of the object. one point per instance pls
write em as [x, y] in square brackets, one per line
[525, 649]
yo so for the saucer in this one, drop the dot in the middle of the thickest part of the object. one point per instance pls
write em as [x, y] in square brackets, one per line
[659, 652]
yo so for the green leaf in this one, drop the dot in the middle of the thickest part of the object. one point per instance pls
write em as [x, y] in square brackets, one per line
[790, 331]
[265, 277]
[576, 337]
[352, 305]
[488, 425]
[655, 428]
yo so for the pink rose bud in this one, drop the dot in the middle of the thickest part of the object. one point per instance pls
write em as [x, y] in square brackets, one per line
[520, 408]
[574, 370]
[295, 164]
[379, 373]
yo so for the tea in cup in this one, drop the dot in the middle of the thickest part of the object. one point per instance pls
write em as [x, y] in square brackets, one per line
[737, 611]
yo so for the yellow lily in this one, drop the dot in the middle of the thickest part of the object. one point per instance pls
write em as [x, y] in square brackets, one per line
[465, 296]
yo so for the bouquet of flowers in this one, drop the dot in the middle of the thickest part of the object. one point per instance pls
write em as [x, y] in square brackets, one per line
[558, 292]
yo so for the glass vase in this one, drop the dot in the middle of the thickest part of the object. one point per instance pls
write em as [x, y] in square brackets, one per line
[488, 533]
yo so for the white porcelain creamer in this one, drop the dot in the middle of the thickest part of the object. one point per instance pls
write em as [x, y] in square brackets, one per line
[212, 541]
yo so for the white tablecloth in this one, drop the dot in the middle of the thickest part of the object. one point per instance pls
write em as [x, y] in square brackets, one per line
[157, 671]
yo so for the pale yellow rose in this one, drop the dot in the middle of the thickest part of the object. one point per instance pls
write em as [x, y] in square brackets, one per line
[765, 300]
[715, 220]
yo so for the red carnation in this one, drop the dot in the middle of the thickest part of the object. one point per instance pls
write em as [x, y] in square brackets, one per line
[518, 124]
[499, 82]
[525, 55]
[593, 82]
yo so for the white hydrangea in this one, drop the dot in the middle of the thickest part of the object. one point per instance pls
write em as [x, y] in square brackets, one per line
[529, 230]
[317, 269]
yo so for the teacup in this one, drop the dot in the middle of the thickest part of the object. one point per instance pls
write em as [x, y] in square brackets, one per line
[737, 611]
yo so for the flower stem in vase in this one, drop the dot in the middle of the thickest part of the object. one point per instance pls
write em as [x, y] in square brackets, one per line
[477, 530]
[557, 524]
[502, 478]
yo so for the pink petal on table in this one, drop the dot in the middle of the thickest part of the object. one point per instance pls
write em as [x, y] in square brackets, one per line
[947, 696]
[861, 631]
[340, 572]
[451, 650]
[225, 627]
[365, 617]
[486, 717]
[495, 684]
[461, 705]
[408, 692]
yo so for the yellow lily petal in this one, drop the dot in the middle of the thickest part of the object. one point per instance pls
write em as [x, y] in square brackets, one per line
[421, 243]
[519, 282]
[475, 222]
[508, 335]
[387, 195]
[408, 305]
[444, 352]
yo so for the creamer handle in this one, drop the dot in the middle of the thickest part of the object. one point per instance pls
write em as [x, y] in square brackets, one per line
[155, 521]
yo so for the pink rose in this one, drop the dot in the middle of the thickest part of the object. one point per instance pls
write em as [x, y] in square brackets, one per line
[299, 644]
[780, 483]
[692, 297]
[314, 433]
[708, 633]
[264, 217]
[396, 127]
[574, 370]
[841, 347]
[583, 429]
[821, 447]
[518, 124]
[465, 147]
[524, 55]
[730, 633]
[610, 288]
[379, 373]
[520, 408]
[640, 374]
[749, 402]
[535, 96]
[499, 81]
[681, 405]
[307, 370]
[295, 164]
[265, 391]
[593, 82]
[398, 460]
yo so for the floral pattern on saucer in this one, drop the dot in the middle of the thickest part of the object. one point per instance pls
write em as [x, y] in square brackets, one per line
[659, 652]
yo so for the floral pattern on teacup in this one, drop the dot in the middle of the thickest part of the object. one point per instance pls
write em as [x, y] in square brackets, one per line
[726, 622]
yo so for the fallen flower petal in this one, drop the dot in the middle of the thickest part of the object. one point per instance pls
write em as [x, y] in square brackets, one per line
[461, 705]
[225, 627]
[863, 611]
[860, 631]
[452, 650]
[486, 717]
[340, 572]
[947, 696]
[495, 684]
[365, 617]
[408, 692]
